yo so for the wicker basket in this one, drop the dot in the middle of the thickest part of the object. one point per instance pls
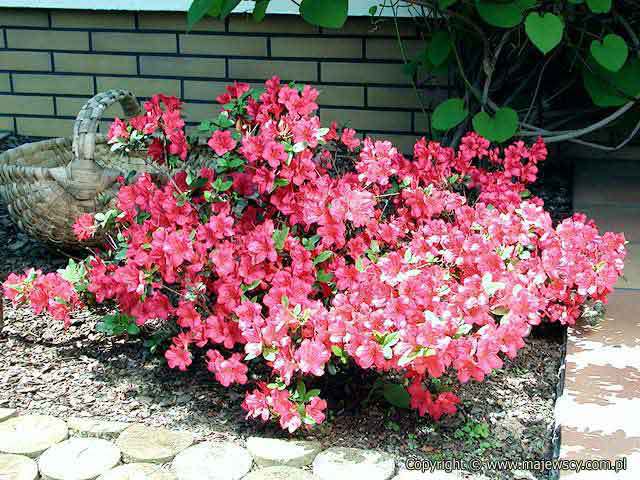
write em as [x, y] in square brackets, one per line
[47, 185]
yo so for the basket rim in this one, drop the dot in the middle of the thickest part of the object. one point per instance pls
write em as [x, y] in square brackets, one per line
[46, 143]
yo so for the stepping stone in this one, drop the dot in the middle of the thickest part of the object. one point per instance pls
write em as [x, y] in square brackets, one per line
[7, 413]
[31, 435]
[272, 451]
[17, 467]
[138, 471]
[78, 459]
[140, 443]
[280, 473]
[213, 461]
[89, 427]
[340, 463]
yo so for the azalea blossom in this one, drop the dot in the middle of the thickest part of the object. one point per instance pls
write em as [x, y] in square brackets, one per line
[299, 249]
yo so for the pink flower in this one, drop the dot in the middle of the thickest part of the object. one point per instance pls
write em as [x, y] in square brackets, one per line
[274, 154]
[84, 227]
[221, 142]
[118, 130]
[312, 356]
[349, 139]
[315, 409]
[178, 357]
[228, 371]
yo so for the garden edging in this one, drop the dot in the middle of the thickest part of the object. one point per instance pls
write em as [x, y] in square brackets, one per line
[42, 446]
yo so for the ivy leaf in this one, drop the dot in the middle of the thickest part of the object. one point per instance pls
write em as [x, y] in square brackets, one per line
[227, 7]
[199, 8]
[599, 6]
[449, 114]
[612, 89]
[502, 14]
[325, 13]
[544, 31]
[611, 53]
[396, 395]
[499, 128]
[260, 10]
[439, 47]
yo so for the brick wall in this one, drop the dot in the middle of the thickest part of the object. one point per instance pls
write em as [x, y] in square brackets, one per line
[51, 62]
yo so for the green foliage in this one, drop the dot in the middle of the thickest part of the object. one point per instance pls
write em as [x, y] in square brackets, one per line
[611, 53]
[76, 274]
[544, 30]
[396, 395]
[449, 114]
[499, 128]
[260, 10]
[515, 63]
[325, 13]
[439, 47]
[472, 431]
[478, 434]
[117, 324]
[612, 89]
[503, 14]
[599, 6]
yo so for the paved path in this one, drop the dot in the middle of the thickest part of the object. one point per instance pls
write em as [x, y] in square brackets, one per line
[599, 411]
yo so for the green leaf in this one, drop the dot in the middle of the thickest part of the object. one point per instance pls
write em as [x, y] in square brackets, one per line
[503, 14]
[611, 53]
[499, 128]
[322, 257]
[312, 393]
[439, 47]
[227, 7]
[373, 10]
[325, 13]
[608, 89]
[396, 395]
[117, 324]
[281, 182]
[280, 236]
[599, 6]
[544, 31]
[133, 329]
[74, 272]
[449, 114]
[260, 10]
[199, 8]
[311, 242]
[446, 3]
[324, 277]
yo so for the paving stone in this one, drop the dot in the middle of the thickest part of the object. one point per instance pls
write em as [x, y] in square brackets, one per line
[7, 413]
[340, 463]
[31, 435]
[280, 473]
[78, 459]
[89, 427]
[272, 451]
[138, 471]
[140, 443]
[17, 467]
[213, 461]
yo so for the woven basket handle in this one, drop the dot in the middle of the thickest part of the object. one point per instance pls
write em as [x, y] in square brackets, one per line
[86, 177]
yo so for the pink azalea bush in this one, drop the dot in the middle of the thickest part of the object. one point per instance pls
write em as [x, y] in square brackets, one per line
[303, 248]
